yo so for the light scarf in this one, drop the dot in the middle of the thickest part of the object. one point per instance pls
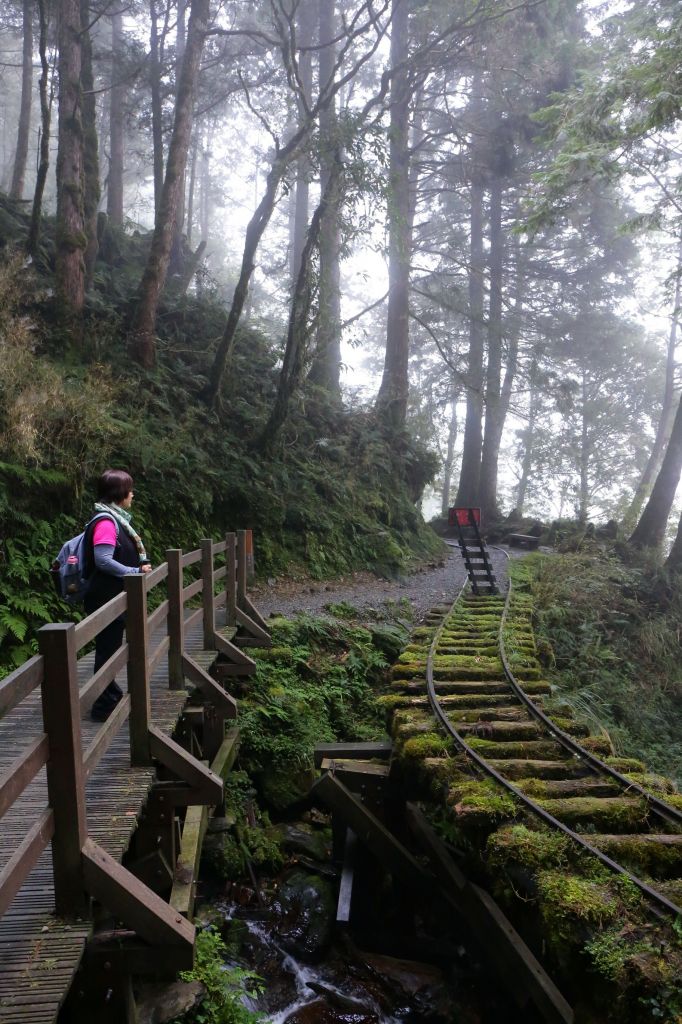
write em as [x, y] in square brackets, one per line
[123, 517]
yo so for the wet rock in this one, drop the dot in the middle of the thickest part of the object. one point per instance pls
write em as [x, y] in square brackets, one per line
[158, 1004]
[306, 911]
[338, 1000]
[423, 985]
[319, 1012]
[209, 916]
[301, 838]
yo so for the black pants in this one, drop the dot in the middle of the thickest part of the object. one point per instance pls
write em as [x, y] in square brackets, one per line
[107, 643]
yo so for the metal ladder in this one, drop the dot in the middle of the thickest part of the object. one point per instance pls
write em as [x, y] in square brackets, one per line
[476, 557]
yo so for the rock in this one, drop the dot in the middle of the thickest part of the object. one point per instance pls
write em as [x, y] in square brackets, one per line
[209, 916]
[158, 1004]
[306, 909]
[337, 999]
[301, 838]
[218, 825]
[319, 1012]
[422, 984]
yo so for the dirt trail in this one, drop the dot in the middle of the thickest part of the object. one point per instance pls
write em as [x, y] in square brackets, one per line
[434, 583]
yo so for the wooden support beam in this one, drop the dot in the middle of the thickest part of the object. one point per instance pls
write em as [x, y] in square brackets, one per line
[353, 751]
[209, 688]
[241, 567]
[187, 868]
[227, 755]
[123, 950]
[523, 974]
[238, 658]
[371, 832]
[186, 767]
[253, 628]
[65, 774]
[344, 904]
[249, 607]
[130, 900]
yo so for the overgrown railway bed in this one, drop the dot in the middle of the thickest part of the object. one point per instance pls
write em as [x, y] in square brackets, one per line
[583, 847]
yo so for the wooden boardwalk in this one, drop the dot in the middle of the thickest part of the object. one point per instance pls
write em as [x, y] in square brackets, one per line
[40, 951]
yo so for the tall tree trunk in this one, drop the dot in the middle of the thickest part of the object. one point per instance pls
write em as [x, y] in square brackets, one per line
[141, 343]
[19, 172]
[71, 237]
[584, 453]
[494, 422]
[176, 256]
[192, 188]
[529, 432]
[667, 409]
[45, 121]
[468, 490]
[304, 31]
[155, 88]
[205, 217]
[673, 562]
[326, 367]
[391, 403]
[116, 137]
[450, 453]
[91, 185]
[294, 354]
[650, 529]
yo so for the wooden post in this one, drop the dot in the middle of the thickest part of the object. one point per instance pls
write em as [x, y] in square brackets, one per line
[207, 593]
[250, 560]
[176, 619]
[231, 578]
[138, 669]
[241, 566]
[65, 775]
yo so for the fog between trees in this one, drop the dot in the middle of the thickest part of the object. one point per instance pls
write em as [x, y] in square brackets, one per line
[511, 169]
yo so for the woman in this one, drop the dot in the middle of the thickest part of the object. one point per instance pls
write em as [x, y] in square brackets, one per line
[112, 551]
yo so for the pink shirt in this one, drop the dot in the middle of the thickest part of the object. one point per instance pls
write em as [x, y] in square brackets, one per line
[104, 533]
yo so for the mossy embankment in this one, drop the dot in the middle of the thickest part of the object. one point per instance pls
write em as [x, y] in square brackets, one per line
[336, 493]
[608, 633]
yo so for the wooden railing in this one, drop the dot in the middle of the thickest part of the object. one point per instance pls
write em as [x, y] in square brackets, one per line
[81, 868]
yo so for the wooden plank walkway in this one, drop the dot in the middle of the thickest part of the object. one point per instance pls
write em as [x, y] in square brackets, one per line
[39, 953]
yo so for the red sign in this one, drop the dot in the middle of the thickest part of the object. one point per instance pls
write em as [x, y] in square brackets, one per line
[461, 516]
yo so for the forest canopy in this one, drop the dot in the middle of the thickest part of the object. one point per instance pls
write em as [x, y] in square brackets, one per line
[433, 248]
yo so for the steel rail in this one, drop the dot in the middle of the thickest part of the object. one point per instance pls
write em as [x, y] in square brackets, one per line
[655, 897]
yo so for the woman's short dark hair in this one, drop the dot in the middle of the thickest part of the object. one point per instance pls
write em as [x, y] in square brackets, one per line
[114, 485]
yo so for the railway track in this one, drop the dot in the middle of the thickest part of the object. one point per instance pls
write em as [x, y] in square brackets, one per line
[540, 800]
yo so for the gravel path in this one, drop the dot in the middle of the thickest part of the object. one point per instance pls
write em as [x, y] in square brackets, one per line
[433, 584]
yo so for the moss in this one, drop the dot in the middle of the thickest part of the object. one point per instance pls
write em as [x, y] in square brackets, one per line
[625, 764]
[642, 854]
[654, 783]
[534, 749]
[613, 814]
[533, 849]
[481, 801]
[599, 745]
[429, 745]
[613, 951]
[569, 903]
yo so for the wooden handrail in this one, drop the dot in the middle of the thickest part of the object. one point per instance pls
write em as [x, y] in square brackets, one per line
[103, 737]
[158, 616]
[97, 683]
[157, 655]
[191, 558]
[158, 575]
[19, 683]
[220, 574]
[88, 629]
[219, 547]
[25, 858]
[192, 590]
[22, 771]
